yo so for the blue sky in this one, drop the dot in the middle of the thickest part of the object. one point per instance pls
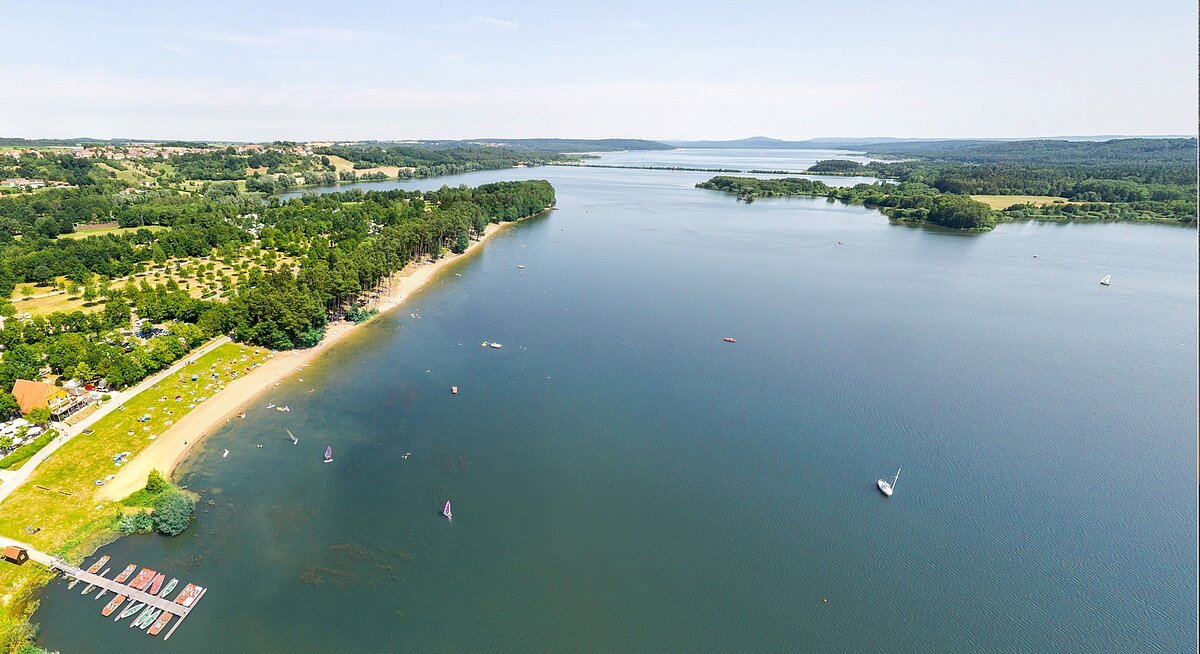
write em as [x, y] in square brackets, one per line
[391, 70]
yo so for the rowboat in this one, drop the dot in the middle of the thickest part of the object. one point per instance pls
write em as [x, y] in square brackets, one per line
[145, 622]
[170, 587]
[141, 616]
[133, 608]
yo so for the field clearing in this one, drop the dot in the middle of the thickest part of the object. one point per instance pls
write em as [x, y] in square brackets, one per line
[69, 510]
[344, 165]
[82, 231]
[1002, 202]
[44, 306]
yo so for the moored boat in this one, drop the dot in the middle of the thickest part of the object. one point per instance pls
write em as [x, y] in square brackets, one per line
[126, 572]
[141, 617]
[160, 623]
[98, 564]
[133, 608]
[142, 579]
[156, 583]
[149, 619]
[170, 587]
[188, 595]
[112, 605]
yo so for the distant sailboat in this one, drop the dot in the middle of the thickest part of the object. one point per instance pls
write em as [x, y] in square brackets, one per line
[293, 437]
[446, 511]
[329, 454]
[1106, 281]
[888, 488]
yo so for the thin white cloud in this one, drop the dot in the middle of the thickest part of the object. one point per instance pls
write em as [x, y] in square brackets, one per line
[290, 37]
[631, 24]
[477, 23]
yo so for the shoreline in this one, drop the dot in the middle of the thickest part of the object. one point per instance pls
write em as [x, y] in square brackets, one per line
[176, 443]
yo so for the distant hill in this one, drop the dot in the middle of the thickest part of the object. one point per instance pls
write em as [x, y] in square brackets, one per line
[575, 145]
[1072, 151]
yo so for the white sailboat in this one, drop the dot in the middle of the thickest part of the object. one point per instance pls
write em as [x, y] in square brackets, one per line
[887, 488]
[1106, 281]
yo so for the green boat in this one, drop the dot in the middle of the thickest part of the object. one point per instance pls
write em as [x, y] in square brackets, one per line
[138, 606]
[168, 588]
[149, 619]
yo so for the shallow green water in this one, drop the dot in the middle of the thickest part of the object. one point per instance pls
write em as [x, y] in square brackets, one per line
[623, 480]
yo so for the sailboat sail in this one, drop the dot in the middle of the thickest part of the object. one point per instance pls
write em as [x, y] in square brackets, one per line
[328, 453]
[446, 511]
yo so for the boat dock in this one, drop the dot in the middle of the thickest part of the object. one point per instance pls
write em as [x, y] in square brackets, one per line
[175, 608]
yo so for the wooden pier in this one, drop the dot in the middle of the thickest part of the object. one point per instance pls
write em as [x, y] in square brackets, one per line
[131, 593]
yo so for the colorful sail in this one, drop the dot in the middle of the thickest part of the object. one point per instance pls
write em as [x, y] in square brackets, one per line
[446, 511]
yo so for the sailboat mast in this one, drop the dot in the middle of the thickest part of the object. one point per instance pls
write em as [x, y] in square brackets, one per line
[896, 479]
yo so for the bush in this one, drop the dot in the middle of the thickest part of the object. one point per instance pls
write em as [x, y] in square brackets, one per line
[173, 513]
[156, 482]
[133, 523]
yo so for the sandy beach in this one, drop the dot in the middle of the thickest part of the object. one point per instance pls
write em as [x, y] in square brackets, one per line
[173, 445]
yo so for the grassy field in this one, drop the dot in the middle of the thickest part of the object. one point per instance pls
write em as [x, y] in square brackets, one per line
[83, 231]
[1002, 202]
[58, 500]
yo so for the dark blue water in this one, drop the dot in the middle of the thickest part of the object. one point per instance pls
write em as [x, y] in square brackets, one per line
[623, 480]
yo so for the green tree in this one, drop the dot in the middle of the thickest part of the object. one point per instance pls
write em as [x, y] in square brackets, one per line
[39, 416]
[8, 405]
[173, 513]
[156, 482]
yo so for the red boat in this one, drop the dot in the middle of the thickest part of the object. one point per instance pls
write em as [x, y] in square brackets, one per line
[142, 579]
[112, 606]
[126, 572]
[97, 564]
[188, 595]
[160, 623]
[730, 340]
[156, 584]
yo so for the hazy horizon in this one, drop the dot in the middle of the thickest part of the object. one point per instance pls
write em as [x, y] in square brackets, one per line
[691, 71]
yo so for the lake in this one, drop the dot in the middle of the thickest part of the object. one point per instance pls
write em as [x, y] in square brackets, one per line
[624, 480]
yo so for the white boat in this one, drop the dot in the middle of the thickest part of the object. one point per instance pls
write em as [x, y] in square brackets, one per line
[284, 407]
[520, 267]
[1106, 281]
[225, 454]
[292, 436]
[271, 405]
[329, 454]
[496, 345]
[446, 511]
[888, 488]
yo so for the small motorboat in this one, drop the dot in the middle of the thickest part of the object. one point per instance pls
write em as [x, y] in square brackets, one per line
[730, 340]
[496, 346]
[446, 511]
[225, 454]
[329, 454]
[520, 267]
[454, 390]
[284, 407]
[271, 405]
[242, 414]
